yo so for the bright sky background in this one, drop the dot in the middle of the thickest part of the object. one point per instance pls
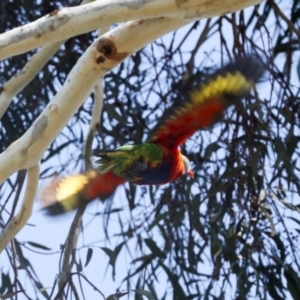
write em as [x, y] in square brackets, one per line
[52, 232]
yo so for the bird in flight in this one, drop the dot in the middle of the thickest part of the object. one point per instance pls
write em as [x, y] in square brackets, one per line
[158, 160]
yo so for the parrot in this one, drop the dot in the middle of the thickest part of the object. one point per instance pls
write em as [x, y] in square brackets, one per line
[159, 160]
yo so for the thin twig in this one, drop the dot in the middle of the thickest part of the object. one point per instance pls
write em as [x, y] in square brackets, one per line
[70, 252]
[19, 221]
[95, 288]
[71, 242]
[97, 110]
[289, 23]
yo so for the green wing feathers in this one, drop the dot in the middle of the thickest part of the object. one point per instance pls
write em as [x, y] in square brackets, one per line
[129, 157]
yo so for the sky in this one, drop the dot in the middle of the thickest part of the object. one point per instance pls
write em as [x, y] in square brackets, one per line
[52, 232]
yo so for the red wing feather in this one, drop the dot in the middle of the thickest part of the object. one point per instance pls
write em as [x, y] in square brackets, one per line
[207, 102]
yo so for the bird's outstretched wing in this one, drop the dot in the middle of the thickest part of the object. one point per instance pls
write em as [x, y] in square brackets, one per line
[207, 102]
[203, 108]
[66, 194]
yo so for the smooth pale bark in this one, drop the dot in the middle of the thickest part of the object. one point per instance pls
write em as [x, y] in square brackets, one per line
[71, 21]
[16, 83]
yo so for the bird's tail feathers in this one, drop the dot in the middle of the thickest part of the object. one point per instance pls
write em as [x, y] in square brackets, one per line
[107, 160]
[65, 194]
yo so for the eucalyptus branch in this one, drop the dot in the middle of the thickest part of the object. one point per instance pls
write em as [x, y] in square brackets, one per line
[72, 21]
[16, 83]
[96, 116]
[19, 221]
[97, 110]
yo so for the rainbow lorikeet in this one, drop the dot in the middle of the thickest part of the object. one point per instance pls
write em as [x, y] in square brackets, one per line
[159, 160]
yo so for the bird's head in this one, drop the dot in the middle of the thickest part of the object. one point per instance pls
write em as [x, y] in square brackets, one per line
[187, 166]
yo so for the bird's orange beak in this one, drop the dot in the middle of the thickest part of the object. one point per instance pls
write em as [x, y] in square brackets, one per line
[191, 173]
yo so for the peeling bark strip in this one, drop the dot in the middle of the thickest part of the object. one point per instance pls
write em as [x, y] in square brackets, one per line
[137, 5]
[38, 129]
[53, 23]
[49, 25]
[109, 50]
